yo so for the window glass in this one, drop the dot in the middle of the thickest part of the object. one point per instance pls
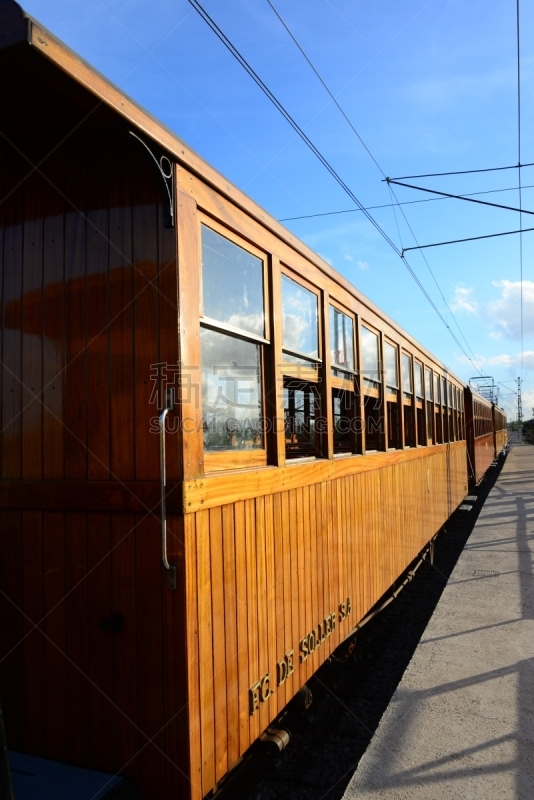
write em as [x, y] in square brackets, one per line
[419, 379]
[450, 395]
[341, 340]
[392, 379]
[370, 354]
[232, 284]
[428, 384]
[301, 410]
[299, 319]
[231, 392]
[444, 392]
[407, 373]
[436, 388]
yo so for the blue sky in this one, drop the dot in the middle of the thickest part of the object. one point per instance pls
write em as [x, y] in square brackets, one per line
[429, 86]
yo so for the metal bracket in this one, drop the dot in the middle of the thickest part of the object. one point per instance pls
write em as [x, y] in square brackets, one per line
[164, 170]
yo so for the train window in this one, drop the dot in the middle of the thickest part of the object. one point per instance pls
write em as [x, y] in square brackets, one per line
[419, 380]
[344, 411]
[342, 364]
[444, 409]
[300, 330]
[232, 284]
[370, 358]
[429, 411]
[341, 341]
[391, 356]
[407, 394]
[437, 409]
[392, 379]
[452, 436]
[231, 392]
[301, 411]
[232, 340]
[420, 412]
[407, 385]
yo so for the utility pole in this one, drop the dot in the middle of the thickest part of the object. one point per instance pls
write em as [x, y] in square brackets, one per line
[519, 412]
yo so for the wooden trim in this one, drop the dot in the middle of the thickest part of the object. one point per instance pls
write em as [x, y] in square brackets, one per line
[275, 371]
[188, 252]
[105, 496]
[327, 438]
[346, 384]
[234, 459]
[229, 487]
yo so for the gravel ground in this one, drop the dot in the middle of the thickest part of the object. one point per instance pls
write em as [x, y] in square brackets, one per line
[350, 697]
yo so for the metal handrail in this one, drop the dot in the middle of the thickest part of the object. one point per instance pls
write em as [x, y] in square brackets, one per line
[163, 472]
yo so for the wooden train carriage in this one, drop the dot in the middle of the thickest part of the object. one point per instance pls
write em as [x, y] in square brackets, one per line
[481, 450]
[312, 447]
[500, 430]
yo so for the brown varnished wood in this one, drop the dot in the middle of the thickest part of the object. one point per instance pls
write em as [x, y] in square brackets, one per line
[188, 252]
[126, 496]
[206, 492]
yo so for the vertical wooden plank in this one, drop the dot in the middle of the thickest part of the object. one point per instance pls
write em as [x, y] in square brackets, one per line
[230, 633]
[150, 583]
[76, 609]
[242, 623]
[32, 356]
[121, 309]
[274, 649]
[97, 202]
[326, 378]
[54, 570]
[76, 310]
[290, 623]
[218, 641]
[205, 650]
[12, 322]
[34, 654]
[124, 601]
[189, 269]
[53, 321]
[177, 676]
[146, 316]
[193, 655]
[264, 665]
[252, 609]
[281, 642]
[12, 627]
[100, 610]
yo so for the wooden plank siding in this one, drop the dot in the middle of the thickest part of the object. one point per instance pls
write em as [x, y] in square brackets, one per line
[372, 534]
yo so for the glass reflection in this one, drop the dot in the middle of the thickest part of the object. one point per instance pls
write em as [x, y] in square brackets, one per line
[231, 392]
[370, 355]
[232, 284]
[341, 340]
[392, 379]
[407, 373]
[419, 380]
[299, 319]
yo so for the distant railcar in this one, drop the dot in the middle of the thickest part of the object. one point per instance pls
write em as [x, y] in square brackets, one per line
[486, 434]
[216, 454]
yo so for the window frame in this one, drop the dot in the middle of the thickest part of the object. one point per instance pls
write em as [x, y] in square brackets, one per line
[220, 460]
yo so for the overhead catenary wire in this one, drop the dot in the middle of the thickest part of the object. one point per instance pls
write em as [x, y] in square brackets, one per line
[404, 203]
[459, 172]
[383, 174]
[469, 239]
[278, 105]
[458, 197]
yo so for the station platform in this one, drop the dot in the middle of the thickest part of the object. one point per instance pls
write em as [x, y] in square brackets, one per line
[461, 721]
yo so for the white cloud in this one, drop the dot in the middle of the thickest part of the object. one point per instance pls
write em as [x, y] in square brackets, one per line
[503, 315]
[463, 299]
[363, 265]
[348, 257]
